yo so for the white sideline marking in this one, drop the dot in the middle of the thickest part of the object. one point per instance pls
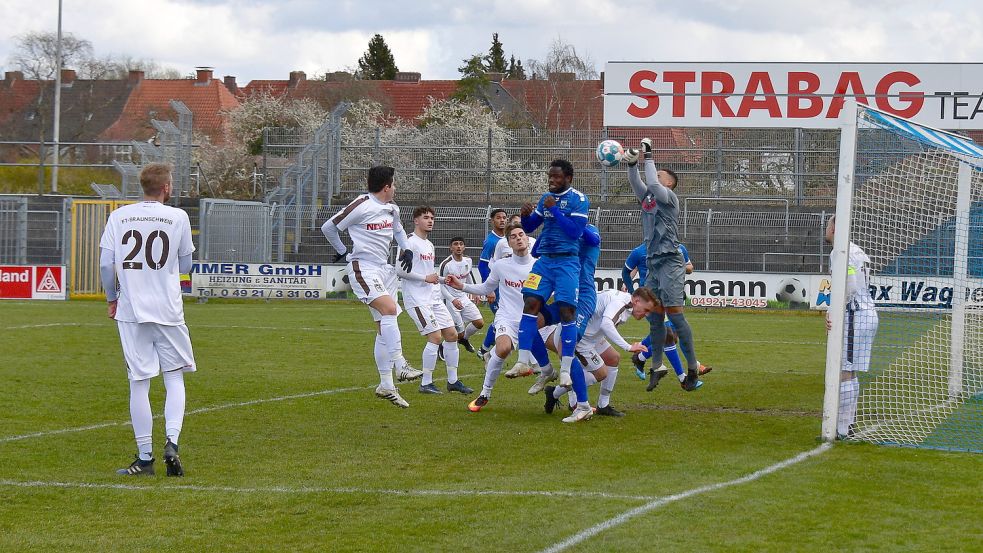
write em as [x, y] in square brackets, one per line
[659, 502]
[191, 412]
[47, 325]
[339, 490]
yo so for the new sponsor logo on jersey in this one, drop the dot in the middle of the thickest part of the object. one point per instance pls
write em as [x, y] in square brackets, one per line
[379, 226]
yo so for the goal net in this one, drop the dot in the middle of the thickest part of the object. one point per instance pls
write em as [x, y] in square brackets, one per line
[917, 214]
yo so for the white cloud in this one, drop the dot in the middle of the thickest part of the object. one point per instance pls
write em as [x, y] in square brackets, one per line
[265, 39]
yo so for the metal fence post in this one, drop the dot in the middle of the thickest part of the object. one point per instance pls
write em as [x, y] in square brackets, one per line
[720, 160]
[377, 151]
[709, 220]
[822, 238]
[488, 169]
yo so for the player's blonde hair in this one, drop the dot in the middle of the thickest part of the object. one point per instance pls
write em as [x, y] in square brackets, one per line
[645, 294]
[153, 178]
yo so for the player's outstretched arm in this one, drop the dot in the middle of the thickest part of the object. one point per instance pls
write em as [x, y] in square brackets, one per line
[487, 287]
[611, 333]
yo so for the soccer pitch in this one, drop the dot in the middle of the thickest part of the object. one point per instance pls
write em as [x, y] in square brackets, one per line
[286, 449]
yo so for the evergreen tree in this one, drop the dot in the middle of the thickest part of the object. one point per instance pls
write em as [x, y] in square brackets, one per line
[473, 78]
[495, 60]
[377, 64]
[515, 71]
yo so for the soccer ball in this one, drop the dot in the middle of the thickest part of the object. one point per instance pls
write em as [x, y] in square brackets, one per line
[609, 153]
[792, 291]
[339, 283]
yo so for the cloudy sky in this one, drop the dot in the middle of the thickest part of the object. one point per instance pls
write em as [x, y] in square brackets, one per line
[266, 39]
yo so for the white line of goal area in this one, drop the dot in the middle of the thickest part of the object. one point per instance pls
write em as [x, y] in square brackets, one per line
[286, 490]
[663, 501]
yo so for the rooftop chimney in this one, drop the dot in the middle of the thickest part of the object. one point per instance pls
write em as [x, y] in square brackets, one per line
[67, 77]
[296, 77]
[134, 76]
[10, 76]
[230, 83]
[338, 76]
[204, 75]
[407, 77]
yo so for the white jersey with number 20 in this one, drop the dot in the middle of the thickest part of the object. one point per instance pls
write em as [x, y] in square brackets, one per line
[146, 239]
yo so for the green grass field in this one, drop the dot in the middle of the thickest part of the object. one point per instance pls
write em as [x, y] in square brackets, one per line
[287, 449]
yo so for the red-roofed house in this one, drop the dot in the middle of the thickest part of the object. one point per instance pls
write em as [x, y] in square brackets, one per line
[206, 97]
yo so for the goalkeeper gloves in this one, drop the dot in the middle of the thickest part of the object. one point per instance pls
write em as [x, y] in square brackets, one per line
[646, 146]
[406, 260]
[630, 157]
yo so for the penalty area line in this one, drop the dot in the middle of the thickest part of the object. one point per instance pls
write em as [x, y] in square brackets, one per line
[662, 501]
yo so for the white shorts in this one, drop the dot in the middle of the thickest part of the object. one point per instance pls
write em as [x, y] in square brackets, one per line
[507, 328]
[591, 349]
[430, 318]
[551, 330]
[858, 339]
[467, 313]
[149, 348]
[370, 282]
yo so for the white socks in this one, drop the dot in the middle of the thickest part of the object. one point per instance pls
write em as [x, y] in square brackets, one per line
[849, 392]
[452, 356]
[141, 417]
[470, 330]
[607, 386]
[492, 371]
[383, 363]
[429, 362]
[389, 329]
[174, 404]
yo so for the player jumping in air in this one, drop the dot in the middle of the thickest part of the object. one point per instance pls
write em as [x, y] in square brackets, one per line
[372, 221]
[666, 268]
[563, 214]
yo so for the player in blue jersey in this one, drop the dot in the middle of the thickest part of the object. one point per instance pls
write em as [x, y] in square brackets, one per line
[562, 212]
[498, 220]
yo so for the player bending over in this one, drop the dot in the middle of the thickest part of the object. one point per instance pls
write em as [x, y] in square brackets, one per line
[613, 309]
[508, 276]
[424, 302]
[372, 221]
[145, 247]
[466, 315]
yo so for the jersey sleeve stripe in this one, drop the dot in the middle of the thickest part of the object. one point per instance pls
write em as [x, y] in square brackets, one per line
[584, 215]
[347, 211]
[617, 316]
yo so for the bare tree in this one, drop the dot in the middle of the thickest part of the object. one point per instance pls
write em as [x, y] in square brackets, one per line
[563, 58]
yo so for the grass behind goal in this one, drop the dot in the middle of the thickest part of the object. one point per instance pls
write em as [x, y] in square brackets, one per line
[286, 448]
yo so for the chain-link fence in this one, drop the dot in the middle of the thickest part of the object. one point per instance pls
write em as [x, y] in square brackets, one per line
[797, 166]
[33, 230]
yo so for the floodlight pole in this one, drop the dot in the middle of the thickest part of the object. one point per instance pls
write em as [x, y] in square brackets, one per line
[838, 268]
[56, 134]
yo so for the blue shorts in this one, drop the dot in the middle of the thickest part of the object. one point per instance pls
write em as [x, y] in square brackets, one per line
[557, 276]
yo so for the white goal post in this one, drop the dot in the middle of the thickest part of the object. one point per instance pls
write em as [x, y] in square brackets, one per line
[911, 198]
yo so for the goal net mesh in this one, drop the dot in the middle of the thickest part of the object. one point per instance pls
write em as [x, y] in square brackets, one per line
[924, 386]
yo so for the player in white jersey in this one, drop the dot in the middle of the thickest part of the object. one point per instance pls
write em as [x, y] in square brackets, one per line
[509, 276]
[858, 336]
[502, 249]
[599, 358]
[466, 315]
[372, 221]
[145, 247]
[424, 301]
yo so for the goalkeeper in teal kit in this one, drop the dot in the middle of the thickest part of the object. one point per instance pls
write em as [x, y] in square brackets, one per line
[562, 212]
